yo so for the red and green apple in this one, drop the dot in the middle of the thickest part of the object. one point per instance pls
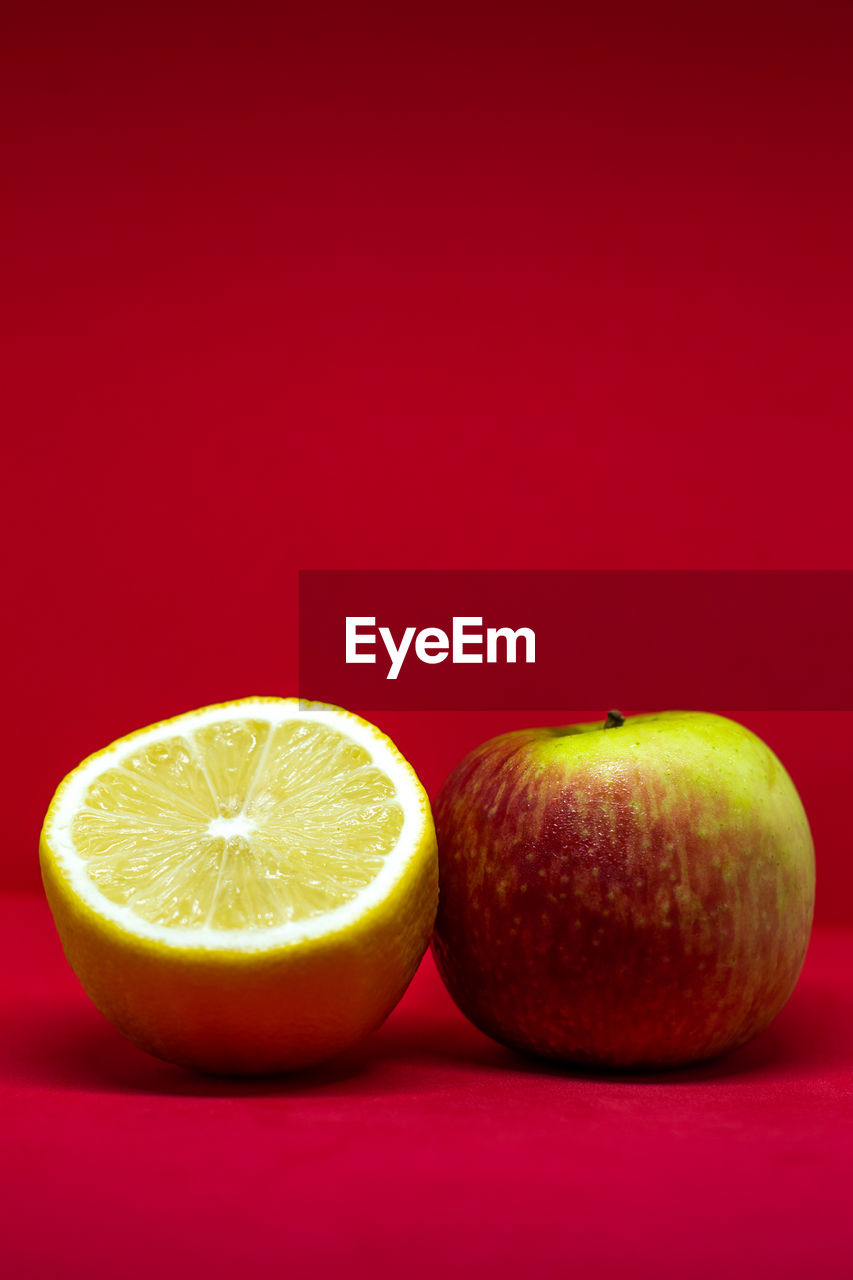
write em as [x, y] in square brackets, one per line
[632, 893]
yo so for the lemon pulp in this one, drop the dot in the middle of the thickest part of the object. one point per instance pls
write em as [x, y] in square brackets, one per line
[238, 825]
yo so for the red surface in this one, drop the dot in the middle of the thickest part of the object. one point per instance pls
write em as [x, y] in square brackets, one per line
[429, 1150]
[360, 287]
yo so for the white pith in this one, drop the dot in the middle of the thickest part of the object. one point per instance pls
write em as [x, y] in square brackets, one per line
[408, 795]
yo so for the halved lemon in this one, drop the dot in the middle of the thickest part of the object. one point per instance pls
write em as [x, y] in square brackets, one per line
[244, 888]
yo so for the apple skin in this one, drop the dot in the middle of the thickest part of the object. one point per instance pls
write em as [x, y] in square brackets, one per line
[636, 896]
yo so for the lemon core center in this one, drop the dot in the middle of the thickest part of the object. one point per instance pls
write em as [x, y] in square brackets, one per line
[227, 827]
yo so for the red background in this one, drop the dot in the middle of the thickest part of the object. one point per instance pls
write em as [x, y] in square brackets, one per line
[344, 286]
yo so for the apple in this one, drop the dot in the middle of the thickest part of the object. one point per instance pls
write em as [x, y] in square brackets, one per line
[633, 893]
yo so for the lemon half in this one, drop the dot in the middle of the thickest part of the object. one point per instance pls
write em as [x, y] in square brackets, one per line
[244, 888]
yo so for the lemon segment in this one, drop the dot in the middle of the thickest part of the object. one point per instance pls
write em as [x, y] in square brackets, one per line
[238, 826]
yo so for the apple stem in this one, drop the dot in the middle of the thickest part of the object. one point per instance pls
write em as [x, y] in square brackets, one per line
[614, 720]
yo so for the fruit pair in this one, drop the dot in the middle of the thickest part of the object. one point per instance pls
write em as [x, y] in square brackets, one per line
[251, 887]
